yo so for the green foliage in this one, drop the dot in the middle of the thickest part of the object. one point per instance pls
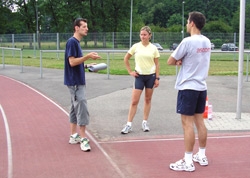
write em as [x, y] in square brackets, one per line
[158, 12]
[156, 28]
[4, 13]
[217, 27]
[175, 28]
[236, 20]
[174, 19]
[217, 42]
[114, 15]
[221, 10]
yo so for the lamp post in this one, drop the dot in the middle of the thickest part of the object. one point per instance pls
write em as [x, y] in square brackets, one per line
[37, 32]
[183, 2]
[182, 31]
[131, 14]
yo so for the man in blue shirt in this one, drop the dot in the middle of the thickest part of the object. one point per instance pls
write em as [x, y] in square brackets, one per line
[74, 79]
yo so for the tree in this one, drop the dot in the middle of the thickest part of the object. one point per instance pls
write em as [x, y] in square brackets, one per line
[111, 15]
[158, 12]
[221, 10]
[5, 14]
[174, 19]
[217, 27]
[236, 21]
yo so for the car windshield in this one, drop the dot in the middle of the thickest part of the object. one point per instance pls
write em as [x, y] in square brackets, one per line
[231, 44]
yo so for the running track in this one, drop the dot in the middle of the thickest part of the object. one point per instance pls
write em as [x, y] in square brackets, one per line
[34, 135]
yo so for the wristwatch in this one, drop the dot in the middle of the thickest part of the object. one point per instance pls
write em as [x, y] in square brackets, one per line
[158, 78]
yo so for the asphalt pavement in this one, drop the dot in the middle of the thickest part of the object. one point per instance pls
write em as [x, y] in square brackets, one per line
[109, 97]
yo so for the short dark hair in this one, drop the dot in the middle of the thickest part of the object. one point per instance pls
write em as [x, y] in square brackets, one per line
[198, 18]
[77, 22]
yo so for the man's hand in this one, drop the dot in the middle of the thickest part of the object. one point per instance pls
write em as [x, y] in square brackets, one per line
[88, 65]
[179, 63]
[94, 55]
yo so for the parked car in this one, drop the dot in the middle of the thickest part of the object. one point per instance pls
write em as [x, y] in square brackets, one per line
[159, 47]
[212, 46]
[229, 47]
[173, 46]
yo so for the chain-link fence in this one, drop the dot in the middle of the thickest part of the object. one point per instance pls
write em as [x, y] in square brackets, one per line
[107, 40]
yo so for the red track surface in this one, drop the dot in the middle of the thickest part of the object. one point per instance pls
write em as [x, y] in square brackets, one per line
[39, 132]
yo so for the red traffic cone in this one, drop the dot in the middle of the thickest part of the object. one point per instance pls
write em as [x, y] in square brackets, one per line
[205, 114]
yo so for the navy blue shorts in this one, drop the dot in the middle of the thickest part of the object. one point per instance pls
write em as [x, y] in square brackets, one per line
[146, 81]
[190, 102]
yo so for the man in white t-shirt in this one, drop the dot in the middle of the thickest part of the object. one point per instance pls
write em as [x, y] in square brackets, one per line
[193, 55]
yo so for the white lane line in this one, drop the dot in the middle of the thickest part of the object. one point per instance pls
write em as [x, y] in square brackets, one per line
[9, 147]
[115, 166]
[173, 139]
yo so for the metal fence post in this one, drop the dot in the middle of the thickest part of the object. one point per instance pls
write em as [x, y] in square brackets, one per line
[21, 59]
[247, 67]
[57, 44]
[13, 44]
[3, 58]
[108, 64]
[41, 63]
[34, 45]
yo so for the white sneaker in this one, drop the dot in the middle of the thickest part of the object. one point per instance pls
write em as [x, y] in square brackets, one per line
[182, 166]
[74, 139]
[85, 145]
[126, 129]
[202, 161]
[145, 127]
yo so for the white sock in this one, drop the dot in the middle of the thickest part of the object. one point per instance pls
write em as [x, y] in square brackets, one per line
[129, 123]
[144, 121]
[74, 135]
[202, 152]
[188, 157]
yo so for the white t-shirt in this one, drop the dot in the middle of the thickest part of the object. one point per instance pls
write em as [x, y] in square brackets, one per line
[195, 52]
[144, 57]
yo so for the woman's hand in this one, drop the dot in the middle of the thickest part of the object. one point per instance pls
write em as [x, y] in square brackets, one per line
[134, 74]
[157, 83]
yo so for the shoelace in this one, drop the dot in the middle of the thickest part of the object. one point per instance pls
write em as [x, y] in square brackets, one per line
[145, 125]
[127, 127]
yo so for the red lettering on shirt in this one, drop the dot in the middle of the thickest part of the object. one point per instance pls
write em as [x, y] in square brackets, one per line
[203, 50]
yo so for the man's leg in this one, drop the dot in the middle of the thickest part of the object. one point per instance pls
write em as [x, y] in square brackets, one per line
[202, 130]
[186, 164]
[73, 128]
[202, 136]
[82, 131]
[189, 135]
[183, 106]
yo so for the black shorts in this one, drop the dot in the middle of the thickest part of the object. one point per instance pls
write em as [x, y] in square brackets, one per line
[190, 102]
[146, 81]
